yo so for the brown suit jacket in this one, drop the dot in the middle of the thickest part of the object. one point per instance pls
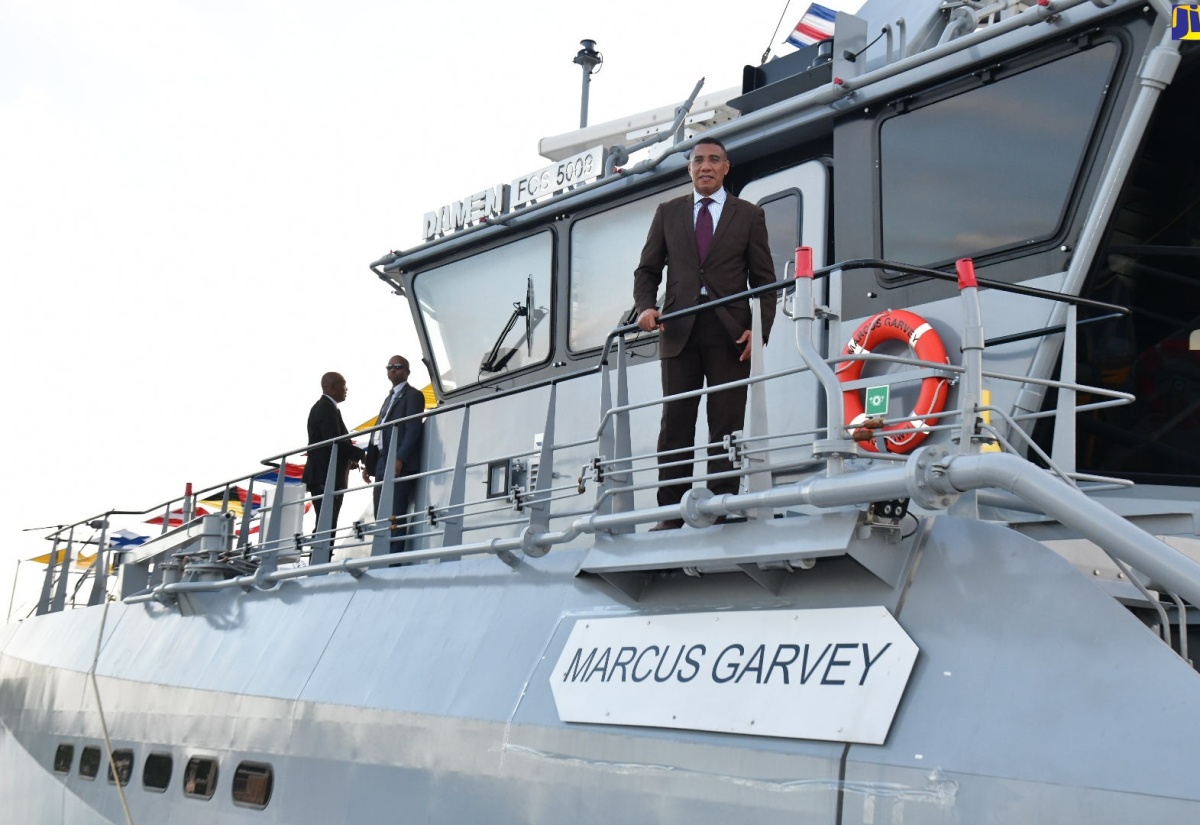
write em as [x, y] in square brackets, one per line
[738, 258]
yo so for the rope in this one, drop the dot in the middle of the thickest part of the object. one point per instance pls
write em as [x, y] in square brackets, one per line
[104, 724]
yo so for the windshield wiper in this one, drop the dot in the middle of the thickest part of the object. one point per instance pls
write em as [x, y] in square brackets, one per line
[498, 356]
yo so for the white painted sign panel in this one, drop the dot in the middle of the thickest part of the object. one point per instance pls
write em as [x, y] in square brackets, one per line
[503, 198]
[835, 674]
[557, 177]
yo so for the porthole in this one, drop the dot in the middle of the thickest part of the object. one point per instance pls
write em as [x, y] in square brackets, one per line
[63, 757]
[252, 783]
[121, 766]
[156, 773]
[89, 762]
[200, 777]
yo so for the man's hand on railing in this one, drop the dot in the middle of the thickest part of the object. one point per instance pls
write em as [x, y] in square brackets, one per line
[648, 320]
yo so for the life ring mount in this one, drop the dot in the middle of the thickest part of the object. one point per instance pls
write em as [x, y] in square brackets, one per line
[926, 344]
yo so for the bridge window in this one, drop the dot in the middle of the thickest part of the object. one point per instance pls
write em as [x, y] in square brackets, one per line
[783, 231]
[604, 253]
[252, 784]
[200, 778]
[994, 167]
[63, 757]
[121, 766]
[89, 762]
[488, 314]
[156, 773]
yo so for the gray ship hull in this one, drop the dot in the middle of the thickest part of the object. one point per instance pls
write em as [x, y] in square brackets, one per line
[401, 697]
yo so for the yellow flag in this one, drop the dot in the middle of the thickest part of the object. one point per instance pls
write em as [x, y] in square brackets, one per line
[83, 562]
[430, 403]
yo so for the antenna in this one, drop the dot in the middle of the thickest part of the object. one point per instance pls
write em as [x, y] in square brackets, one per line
[590, 61]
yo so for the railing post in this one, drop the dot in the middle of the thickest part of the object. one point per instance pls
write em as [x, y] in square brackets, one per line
[1063, 448]
[60, 593]
[381, 544]
[452, 531]
[613, 443]
[271, 544]
[243, 542]
[322, 546]
[622, 468]
[12, 597]
[100, 567]
[605, 444]
[757, 424]
[275, 525]
[539, 505]
[970, 389]
[43, 605]
[835, 446]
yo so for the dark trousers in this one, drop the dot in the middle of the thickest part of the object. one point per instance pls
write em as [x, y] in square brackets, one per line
[317, 502]
[401, 495]
[711, 357]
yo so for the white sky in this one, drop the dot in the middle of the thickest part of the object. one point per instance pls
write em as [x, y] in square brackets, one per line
[191, 191]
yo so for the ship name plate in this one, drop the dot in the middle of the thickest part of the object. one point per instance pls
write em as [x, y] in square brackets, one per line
[835, 674]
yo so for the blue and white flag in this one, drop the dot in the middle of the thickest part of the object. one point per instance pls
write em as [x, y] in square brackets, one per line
[125, 538]
[816, 25]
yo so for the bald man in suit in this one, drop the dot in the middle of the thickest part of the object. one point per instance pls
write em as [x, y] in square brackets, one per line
[713, 245]
[325, 422]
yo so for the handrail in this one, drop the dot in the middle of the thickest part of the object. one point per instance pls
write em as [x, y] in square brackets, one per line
[1054, 329]
[932, 479]
[531, 496]
[592, 521]
[276, 461]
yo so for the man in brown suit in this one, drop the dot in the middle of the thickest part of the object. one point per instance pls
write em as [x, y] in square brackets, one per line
[712, 245]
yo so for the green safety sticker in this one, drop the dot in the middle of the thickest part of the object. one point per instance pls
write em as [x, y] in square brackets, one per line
[877, 400]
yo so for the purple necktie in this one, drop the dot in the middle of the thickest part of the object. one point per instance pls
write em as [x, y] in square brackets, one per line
[704, 229]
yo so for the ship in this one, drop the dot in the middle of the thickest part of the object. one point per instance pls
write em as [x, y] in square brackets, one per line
[958, 581]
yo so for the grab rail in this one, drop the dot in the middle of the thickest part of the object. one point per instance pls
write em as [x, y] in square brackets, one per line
[613, 470]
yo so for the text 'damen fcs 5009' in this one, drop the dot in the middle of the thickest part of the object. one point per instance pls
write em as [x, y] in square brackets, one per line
[834, 674]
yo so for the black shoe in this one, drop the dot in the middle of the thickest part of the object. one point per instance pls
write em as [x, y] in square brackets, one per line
[667, 524]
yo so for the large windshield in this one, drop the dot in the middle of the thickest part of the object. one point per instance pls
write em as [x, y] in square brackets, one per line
[490, 313]
[605, 249]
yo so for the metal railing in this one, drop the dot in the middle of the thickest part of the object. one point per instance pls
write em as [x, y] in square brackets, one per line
[208, 553]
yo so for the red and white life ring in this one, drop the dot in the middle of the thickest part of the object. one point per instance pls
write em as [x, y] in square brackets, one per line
[896, 325]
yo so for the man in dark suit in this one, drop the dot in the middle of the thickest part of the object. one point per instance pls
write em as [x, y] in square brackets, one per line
[713, 245]
[403, 402]
[325, 422]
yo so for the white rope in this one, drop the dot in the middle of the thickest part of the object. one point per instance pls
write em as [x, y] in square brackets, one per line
[104, 724]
